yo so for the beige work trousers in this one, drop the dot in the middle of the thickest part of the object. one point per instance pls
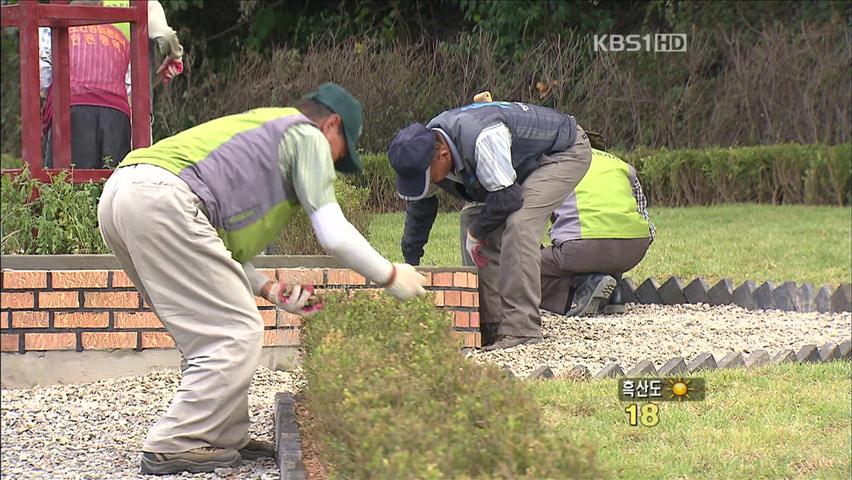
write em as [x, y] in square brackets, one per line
[157, 229]
[510, 284]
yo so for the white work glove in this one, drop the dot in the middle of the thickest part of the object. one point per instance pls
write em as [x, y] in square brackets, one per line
[474, 249]
[296, 298]
[405, 283]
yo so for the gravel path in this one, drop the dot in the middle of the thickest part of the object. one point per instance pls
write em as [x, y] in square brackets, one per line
[95, 430]
[659, 332]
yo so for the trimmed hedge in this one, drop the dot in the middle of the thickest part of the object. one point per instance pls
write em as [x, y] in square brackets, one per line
[390, 397]
[776, 174]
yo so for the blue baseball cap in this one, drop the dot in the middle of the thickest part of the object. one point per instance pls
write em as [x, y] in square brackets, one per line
[410, 154]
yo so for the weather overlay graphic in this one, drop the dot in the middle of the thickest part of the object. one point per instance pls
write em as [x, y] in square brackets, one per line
[651, 390]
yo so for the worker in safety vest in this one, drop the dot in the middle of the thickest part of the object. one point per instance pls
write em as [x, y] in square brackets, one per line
[599, 232]
[520, 161]
[186, 216]
[99, 58]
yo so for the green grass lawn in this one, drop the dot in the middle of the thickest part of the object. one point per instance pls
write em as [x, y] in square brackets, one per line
[742, 242]
[786, 421]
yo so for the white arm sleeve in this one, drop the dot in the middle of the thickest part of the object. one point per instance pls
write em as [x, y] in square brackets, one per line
[494, 158]
[45, 61]
[256, 279]
[339, 238]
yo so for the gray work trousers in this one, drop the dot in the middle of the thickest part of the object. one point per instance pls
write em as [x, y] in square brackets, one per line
[560, 263]
[510, 283]
[157, 229]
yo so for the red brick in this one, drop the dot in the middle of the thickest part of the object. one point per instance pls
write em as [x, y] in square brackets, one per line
[469, 339]
[452, 298]
[280, 337]
[4, 320]
[16, 300]
[80, 320]
[24, 279]
[268, 316]
[342, 276]
[58, 300]
[137, 320]
[461, 319]
[9, 342]
[468, 299]
[442, 279]
[460, 279]
[428, 276]
[472, 280]
[79, 279]
[108, 340]
[112, 300]
[30, 320]
[301, 275]
[474, 319]
[286, 319]
[157, 340]
[120, 279]
[50, 341]
[439, 298]
[477, 340]
[261, 302]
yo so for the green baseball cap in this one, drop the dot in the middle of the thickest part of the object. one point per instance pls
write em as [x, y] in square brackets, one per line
[341, 102]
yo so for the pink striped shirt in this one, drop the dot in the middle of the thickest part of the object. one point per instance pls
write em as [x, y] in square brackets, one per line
[99, 56]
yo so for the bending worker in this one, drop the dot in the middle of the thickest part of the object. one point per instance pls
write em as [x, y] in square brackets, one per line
[522, 161]
[600, 231]
[185, 216]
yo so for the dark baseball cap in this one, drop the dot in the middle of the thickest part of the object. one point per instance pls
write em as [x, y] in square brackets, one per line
[341, 102]
[410, 154]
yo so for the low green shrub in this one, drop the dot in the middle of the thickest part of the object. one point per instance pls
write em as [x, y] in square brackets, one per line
[775, 174]
[390, 397]
[298, 237]
[61, 219]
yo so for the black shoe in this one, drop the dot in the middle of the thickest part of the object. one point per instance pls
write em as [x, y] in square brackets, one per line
[592, 294]
[488, 332]
[509, 341]
[616, 301]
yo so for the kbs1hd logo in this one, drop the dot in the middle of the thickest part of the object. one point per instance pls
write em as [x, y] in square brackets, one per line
[658, 42]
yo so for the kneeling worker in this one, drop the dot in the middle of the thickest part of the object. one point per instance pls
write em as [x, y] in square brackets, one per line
[600, 231]
[185, 216]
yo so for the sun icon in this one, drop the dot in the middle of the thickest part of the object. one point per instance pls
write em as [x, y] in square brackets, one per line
[678, 388]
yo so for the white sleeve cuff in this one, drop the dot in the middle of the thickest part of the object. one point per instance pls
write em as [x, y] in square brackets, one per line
[256, 279]
[339, 238]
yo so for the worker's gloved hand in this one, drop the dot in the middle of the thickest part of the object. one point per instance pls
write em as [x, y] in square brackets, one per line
[405, 283]
[170, 69]
[295, 298]
[474, 249]
[169, 46]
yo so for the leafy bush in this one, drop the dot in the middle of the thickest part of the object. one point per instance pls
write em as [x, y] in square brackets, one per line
[299, 238]
[390, 397]
[61, 219]
[776, 174]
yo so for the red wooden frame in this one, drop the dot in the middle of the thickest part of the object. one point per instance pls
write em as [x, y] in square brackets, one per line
[27, 16]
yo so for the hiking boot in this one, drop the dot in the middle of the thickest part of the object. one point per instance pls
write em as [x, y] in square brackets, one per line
[616, 301]
[592, 293]
[509, 341]
[255, 449]
[198, 460]
[489, 333]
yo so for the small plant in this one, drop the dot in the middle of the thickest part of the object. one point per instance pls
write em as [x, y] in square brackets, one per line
[49, 218]
[392, 398]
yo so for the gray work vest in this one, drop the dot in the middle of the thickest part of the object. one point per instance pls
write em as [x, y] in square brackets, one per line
[536, 131]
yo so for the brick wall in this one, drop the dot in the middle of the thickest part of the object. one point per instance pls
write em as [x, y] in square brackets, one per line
[83, 310]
